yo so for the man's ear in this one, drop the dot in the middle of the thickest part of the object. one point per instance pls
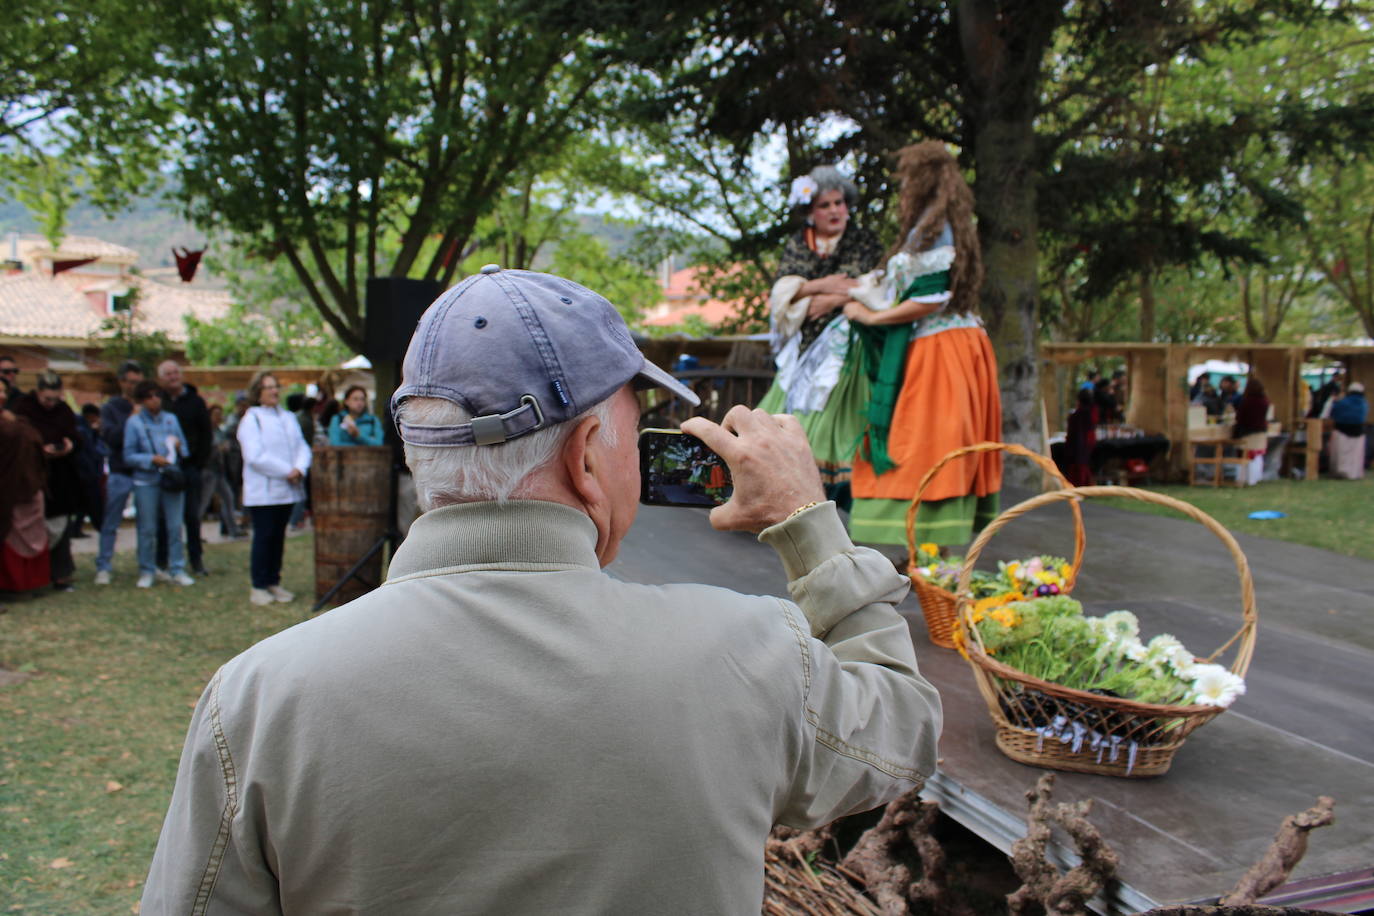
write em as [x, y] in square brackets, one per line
[580, 462]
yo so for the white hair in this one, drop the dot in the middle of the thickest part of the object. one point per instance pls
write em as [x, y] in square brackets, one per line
[472, 473]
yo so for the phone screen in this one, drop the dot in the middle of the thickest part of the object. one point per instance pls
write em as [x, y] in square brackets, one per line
[676, 469]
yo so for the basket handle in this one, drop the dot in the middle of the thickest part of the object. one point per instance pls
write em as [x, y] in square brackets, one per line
[1246, 633]
[1012, 448]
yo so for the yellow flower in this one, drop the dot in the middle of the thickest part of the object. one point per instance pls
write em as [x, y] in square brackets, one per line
[1005, 616]
[932, 549]
[1065, 571]
[1013, 569]
[983, 606]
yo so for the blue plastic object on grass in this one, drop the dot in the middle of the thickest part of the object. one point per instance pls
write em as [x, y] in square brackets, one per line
[1268, 513]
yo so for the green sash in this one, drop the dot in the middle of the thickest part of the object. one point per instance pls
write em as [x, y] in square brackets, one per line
[926, 285]
[882, 355]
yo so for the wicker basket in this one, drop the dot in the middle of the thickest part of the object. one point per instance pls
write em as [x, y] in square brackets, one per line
[1117, 737]
[940, 608]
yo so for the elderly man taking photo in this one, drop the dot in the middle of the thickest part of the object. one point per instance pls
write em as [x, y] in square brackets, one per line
[504, 728]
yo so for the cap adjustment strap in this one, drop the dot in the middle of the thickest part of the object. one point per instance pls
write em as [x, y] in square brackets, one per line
[491, 429]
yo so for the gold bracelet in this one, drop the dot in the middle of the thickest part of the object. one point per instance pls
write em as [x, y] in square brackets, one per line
[800, 509]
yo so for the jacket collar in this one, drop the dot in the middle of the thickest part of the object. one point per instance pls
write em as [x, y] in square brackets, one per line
[519, 535]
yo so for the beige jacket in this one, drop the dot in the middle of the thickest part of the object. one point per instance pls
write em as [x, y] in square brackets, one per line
[504, 728]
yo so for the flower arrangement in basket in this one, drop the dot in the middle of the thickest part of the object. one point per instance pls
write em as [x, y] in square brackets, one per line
[1035, 577]
[1081, 693]
[933, 578]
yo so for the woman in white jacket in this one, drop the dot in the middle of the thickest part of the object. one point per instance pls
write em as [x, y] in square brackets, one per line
[275, 459]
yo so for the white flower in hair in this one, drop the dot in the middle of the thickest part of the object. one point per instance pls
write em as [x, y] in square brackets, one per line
[803, 189]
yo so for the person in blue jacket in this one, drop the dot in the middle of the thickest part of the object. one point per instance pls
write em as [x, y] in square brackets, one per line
[153, 440]
[354, 425]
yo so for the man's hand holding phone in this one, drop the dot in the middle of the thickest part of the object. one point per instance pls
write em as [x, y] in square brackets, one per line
[770, 462]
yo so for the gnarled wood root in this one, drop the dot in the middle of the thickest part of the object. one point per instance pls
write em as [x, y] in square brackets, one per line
[1283, 855]
[1042, 885]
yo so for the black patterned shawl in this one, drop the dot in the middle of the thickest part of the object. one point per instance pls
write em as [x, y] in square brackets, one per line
[857, 253]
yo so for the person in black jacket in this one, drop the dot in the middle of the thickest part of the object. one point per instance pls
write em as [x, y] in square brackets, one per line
[194, 416]
[9, 372]
[90, 465]
[114, 413]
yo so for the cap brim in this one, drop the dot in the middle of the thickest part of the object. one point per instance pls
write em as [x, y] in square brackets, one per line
[661, 379]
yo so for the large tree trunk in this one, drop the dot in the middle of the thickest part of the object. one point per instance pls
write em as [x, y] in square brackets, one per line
[1147, 304]
[1003, 46]
[1010, 300]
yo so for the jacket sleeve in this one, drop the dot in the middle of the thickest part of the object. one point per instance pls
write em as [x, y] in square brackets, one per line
[301, 454]
[208, 857]
[371, 431]
[137, 448]
[871, 722]
[256, 454]
[112, 427]
[337, 436]
[183, 449]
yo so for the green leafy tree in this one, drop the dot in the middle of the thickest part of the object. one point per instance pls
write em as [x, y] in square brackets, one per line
[1028, 92]
[356, 139]
[79, 106]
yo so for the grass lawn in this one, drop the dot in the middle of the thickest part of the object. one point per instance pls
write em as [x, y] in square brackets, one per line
[90, 740]
[1334, 515]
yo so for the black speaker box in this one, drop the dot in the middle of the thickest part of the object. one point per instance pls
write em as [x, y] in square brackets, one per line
[394, 306]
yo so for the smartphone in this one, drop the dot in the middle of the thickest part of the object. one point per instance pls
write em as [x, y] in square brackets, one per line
[676, 469]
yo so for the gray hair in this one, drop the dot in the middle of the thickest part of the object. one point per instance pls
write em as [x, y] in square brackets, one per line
[458, 474]
[829, 178]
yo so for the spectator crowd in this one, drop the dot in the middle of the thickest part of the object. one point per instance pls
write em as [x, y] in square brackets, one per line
[159, 446]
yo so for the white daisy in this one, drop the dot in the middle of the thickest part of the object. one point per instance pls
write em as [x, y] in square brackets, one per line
[1213, 685]
[1122, 625]
[1133, 649]
[1182, 661]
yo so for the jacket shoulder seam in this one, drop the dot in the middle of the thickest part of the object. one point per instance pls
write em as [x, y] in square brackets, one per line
[215, 861]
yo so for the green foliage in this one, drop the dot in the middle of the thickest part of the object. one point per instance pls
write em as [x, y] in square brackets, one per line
[78, 111]
[1210, 160]
[121, 337]
[1050, 639]
[291, 336]
[270, 321]
[352, 163]
[585, 259]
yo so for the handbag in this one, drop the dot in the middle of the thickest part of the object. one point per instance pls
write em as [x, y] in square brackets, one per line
[170, 477]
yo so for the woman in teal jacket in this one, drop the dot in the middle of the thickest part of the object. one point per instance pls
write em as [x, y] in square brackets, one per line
[354, 425]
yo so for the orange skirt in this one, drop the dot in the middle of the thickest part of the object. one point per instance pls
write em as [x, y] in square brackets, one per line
[950, 398]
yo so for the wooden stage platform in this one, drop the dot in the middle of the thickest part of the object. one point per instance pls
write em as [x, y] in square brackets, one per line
[1305, 727]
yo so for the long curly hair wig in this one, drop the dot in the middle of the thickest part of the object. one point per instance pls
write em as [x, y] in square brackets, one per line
[933, 192]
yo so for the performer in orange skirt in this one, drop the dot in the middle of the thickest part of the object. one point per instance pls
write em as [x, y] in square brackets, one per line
[931, 366]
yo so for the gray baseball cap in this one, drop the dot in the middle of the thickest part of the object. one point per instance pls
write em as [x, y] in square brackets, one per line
[520, 351]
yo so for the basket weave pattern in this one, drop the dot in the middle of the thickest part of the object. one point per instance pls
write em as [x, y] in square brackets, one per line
[1049, 725]
[939, 606]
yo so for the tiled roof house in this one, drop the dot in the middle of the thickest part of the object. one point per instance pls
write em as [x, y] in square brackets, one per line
[683, 296]
[52, 301]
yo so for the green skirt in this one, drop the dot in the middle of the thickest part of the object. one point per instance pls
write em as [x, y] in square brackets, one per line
[835, 430]
[946, 521]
